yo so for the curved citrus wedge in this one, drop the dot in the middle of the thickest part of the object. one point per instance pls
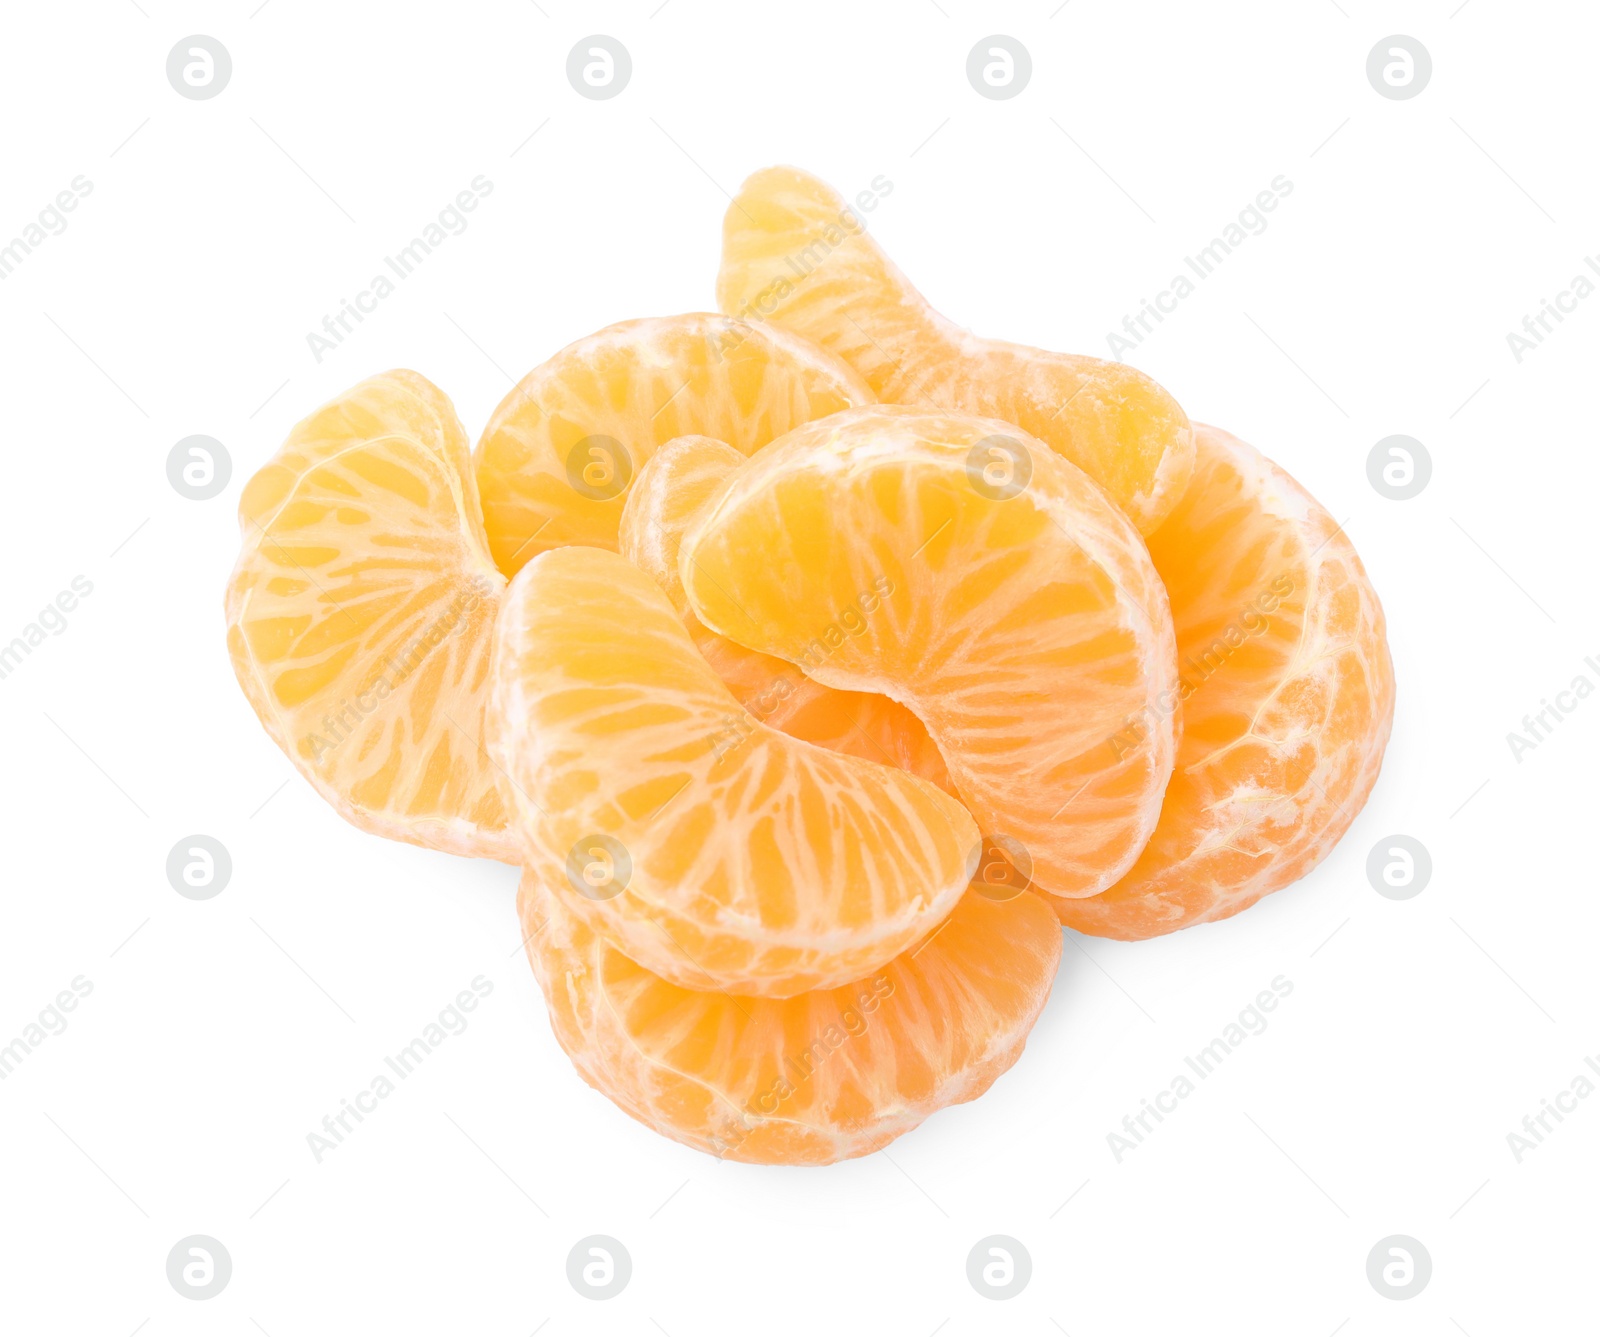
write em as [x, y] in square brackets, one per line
[556, 459]
[965, 570]
[668, 494]
[794, 253]
[1287, 692]
[361, 614]
[713, 850]
[806, 1080]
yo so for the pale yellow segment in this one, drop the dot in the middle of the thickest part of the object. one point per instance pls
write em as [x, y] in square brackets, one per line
[796, 255]
[361, 616]
[560, 453]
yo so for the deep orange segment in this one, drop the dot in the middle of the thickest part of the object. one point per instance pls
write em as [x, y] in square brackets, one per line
[795, 254]
[805, 1080]
[1287, 692]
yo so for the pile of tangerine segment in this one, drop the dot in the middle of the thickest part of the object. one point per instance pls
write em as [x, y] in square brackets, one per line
[816, 661]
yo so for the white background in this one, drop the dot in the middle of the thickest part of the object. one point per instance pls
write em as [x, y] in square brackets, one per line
[217, 1036]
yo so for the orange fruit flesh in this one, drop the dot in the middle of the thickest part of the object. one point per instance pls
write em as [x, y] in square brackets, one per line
[1024, 630]
[806, 1080]
[667, 496]
[795, 254]
[361, 614]
[556, 459]
[752, 862]
[1287, 693]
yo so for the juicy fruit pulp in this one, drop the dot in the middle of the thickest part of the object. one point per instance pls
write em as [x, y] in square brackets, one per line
[713, 850]
[361, 614]
[1287, 695]
[795, 254]
[805, 1080]
[739, 583]
[556, 459]
[667, 497]
[1024, 627]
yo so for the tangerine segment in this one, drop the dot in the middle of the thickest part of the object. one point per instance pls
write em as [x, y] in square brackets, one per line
[669, 493]
[964, 569]
[715, 851]
[1287, 692]
[556, 459]
[807, 1080]
[361, 614]
[794, 253]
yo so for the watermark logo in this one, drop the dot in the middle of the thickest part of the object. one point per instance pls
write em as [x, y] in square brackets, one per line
[1152, 1112]
[450, 1020]
[450, 221]
[1201, 662]
[1250, 221]
[50, 222]
[1538, 1125]
[999, 1267]
[199, 867]
[850, 621]
[199, 1267]
[199, 67]
[51, 1021]
[599, 67]
[999, 467]
[999, 67]
[341, 724]
[199, 467]
[1399, 67]
[1399, 467]
[805, 262]
[1399, 1267]
[1399, 867]
[1536, 327]
[52, 618]
[599, 468]
[599, 1267]
[599, 867]
[736, 730]
[1000, 868]
[800, 1065]
[1538, 726]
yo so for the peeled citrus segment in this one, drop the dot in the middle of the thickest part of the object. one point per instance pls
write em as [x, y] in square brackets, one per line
[864, 724]
[965, 570]
[361, 615]
[806, 1080]
[556, 459]
[668, 494]
[713, 850]
[1287, 693]
[795, 254]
